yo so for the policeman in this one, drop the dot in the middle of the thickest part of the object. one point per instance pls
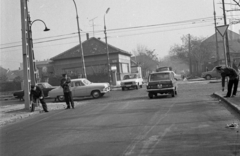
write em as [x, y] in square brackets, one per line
[233, 79]
[65, 82]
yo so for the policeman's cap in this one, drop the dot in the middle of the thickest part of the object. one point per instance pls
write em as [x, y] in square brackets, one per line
[32, 86]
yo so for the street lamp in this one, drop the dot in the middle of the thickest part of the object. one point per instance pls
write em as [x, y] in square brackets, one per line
[105, 32]
[79, 36]
[33, 69]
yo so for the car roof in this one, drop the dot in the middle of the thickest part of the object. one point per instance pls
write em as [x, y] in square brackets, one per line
[162, 72]
[80, 79]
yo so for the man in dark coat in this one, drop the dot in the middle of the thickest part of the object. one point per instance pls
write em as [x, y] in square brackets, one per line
[233, 79]
[37, 93]
[66, 90]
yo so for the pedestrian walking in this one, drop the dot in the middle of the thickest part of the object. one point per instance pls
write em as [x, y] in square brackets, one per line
[37, 94]
[233, 79]
[65, 82]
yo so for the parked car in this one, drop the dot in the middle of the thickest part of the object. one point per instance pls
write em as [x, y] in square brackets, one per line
[46, 87]
[211, 74]
[163, 69]
[161, 83]
[133, 80]
[81, 88]
[177, 76]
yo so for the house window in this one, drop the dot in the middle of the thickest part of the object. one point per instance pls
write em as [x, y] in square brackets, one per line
[124, 68]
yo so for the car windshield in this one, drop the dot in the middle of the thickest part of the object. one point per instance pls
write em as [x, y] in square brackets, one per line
[132, 76]
[86, 82]
[159, 76]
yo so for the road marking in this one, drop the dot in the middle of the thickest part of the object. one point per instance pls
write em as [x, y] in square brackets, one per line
[154, 140]
[130, 149]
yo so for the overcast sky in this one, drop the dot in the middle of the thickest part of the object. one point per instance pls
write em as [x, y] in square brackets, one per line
[155, 24]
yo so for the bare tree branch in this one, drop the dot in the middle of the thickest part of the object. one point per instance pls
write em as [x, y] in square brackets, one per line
[237, 3]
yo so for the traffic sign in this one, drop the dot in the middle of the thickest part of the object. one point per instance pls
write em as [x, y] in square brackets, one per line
[222, 29]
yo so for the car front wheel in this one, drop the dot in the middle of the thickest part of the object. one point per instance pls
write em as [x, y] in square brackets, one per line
[96, 94]
[150, 95]
[208, 77]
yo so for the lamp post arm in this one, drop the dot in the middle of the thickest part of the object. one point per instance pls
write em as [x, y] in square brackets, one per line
[40, 21]
[75, 8]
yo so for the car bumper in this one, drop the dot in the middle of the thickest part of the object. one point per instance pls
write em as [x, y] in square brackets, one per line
[162, 90]
[128, 86]
[105, 90]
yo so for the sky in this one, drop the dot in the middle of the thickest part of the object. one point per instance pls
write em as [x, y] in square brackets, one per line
[154, 24]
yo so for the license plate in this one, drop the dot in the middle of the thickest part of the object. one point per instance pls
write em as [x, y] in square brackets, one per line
[159, 86]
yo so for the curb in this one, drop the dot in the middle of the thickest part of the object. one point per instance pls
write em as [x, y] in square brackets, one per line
[232, 105]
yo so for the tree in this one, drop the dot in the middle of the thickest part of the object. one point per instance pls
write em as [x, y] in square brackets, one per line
[200, 52]
[146, 58]
[3, 78]
[17, 79]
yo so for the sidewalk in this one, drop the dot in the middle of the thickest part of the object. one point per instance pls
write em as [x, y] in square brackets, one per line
[11, 113]
[233, 102]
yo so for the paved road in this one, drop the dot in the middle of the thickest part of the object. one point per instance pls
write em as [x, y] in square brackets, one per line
[128, 123]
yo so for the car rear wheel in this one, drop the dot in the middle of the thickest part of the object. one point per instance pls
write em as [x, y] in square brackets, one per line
[61, 98]
[96, 94]
[150, 95]
[137, 86]
[208, 77]
[173, 93]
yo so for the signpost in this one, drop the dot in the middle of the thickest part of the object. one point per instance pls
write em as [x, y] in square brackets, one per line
[222, 31]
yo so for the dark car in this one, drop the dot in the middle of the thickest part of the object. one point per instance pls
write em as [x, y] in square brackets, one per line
[161, 83]
[46, 87]
[211, 74]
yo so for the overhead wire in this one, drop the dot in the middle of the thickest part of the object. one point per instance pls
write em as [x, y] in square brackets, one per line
[137, 28]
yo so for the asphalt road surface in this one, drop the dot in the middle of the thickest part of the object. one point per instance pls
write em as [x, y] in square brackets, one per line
[127, 123]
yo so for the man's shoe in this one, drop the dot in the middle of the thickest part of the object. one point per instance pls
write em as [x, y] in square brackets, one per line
[233, 95]
[46, 111]
[68, 108]
[226, 96]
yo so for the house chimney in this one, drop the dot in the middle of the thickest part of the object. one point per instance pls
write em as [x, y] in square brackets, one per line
[87, 34]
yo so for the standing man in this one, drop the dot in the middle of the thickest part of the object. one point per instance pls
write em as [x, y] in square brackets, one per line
[233, 79]
[37, 93]
[66, 90]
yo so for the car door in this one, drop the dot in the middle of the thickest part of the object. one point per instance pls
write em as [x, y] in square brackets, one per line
[80, 89]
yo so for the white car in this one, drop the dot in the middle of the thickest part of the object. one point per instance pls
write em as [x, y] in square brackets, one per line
[81, 88]
[132, 80]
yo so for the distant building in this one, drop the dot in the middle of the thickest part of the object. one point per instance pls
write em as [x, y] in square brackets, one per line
[234, 50]
[95, 56]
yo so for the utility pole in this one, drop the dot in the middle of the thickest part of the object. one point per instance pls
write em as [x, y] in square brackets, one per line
[32, 64]
[215, 28]
[189, 53]
[226, 36]
[25, 52]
